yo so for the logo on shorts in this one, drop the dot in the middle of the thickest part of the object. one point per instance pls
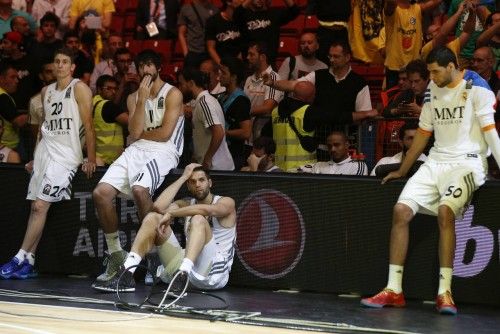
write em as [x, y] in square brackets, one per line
[161, 102]
[46, 189]
[271, 234]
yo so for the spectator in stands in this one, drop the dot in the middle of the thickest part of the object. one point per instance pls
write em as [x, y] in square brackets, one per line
[236, 107]
[25, 66]
[340, 161]
[263, 98]
[21, 25]
[209, 139]
[107, 65]
[403, 85]
[483, 62]
[126, 76]
[162, 13]
[48, 43]
[191, 31]
[437, 35]
[491, 36]
[100, 10]
[333, 16]
[223, 33]
[211, 69]
[406, 135]
[47, 76]
[409, 103]
[6, 153]
[84, 64]
[7, 13]
[295, 67]
[109, 121]
[337, 83]
[59, 7]
[482, 11]
[290, 129]
[262, 157]
[403, 28]
[13, 120]
[259, 23]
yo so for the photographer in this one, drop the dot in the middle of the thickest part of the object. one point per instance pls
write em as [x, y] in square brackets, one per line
[409, 102]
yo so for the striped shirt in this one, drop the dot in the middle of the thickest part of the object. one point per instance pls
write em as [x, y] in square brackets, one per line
[345, 167]
[207, 112]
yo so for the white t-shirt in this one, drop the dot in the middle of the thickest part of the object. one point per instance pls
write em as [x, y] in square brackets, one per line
[206, 113]
[395, 159]
[452, 114]
[345, 167]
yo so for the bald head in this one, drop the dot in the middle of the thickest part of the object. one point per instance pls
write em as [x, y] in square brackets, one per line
[304, 91]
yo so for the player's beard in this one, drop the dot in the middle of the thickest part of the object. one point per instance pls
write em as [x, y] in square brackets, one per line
[201, 195]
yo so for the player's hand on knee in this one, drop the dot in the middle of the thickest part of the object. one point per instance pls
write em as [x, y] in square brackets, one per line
[392, 176]
[29, 166]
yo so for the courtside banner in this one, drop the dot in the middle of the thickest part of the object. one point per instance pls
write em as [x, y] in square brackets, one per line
[298, 232]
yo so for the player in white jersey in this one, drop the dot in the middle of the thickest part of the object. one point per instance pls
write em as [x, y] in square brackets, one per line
[156, 123]
[458, 108]
[67, 108]
[210, 228]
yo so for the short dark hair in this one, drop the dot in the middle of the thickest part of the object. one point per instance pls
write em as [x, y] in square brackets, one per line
[418, 66]
[6, 65]
[13, 21]
[442, 56]
[236, 67]
[50, 17]
[200, 79]
[266, 143]
[69, 34]
[346, 48]
[261, 47]
[101, 81]
[339, 133]
[146, 56]
[202, 169]
[66, 52]
[409, 125]
[122, 51]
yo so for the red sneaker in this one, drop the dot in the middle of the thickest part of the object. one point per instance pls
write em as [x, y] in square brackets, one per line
[445, 304]
[386, 297]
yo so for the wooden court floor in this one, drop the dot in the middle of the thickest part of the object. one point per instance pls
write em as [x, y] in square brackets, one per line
[46, 319]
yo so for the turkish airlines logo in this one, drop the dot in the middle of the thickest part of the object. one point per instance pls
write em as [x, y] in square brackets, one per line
[271, 234]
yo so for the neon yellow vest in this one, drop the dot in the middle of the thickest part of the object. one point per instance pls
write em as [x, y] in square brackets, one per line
[109, 136]
[10, 136]
[289, 152]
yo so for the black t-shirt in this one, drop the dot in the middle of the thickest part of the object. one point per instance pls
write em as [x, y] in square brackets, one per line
[83, 64]
[7, 108]
[110, 112]
[237, 112]
[264, 26]
[28, 83]
[226, 35]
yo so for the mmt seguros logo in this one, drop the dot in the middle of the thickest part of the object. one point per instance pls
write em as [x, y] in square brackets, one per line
[271, 234]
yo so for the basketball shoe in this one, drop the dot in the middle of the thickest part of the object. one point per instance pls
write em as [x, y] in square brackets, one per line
[123, 280]
[445, 304]
[10, 268]
[26, 271]
[112, 262]
[386, 297]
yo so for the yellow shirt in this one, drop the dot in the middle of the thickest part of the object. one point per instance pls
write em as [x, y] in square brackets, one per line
[454, 46]
[78, 7]
[404, 36]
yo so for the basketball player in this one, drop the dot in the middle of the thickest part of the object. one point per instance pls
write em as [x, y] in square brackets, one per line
[156, 122]
[210, 228]
[67, 106]
[458, 108]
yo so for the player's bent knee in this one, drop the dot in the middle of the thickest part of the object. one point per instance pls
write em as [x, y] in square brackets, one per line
[101, 193]
[140, 192]
[39, 207]
[403, 211]
[198, 221]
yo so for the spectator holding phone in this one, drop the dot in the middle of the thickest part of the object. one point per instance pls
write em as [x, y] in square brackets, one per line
[409, 102]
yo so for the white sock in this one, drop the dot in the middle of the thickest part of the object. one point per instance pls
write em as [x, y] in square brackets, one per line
[186, 265]
[21, 255]
[31, 258]
[445, 275]
[133, 259]
[113, 242]
[395, 281]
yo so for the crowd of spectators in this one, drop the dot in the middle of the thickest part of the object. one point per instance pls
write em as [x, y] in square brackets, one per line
[303, 108]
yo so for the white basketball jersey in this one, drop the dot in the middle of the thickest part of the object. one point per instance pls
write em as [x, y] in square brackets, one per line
[62, 127]
[452, 113]
[153, 119]
[225, 237]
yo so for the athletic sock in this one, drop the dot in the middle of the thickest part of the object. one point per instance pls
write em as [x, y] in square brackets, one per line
[113, 242]
[21, 255]
[186, 265]
[445, 275]
[133, 259]
[395, 281]
[31, 258]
